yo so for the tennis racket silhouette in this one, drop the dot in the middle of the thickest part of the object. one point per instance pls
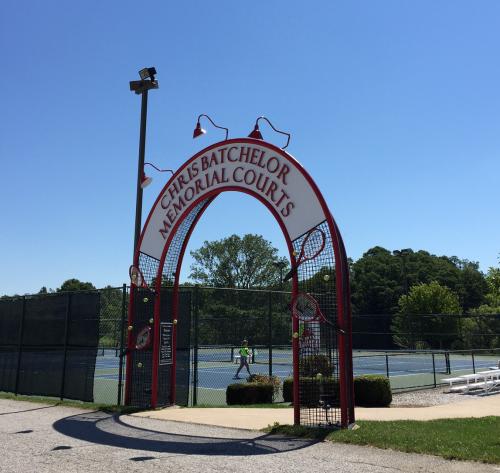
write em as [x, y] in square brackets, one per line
[312, 246]
[306, 309]
[136, 277]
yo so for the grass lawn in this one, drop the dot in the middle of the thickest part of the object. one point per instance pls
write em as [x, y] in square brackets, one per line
[455, 439]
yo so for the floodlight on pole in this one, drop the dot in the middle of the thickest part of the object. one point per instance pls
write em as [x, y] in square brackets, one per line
[147, 73]
[258, 135]
[198, 131]
[142, 87]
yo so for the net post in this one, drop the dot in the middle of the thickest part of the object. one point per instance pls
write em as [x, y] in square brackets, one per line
[20, 346]
[387, 364]
[66, 331]
[122, 331]
[434, 368]
[447, 362]
[473, 363]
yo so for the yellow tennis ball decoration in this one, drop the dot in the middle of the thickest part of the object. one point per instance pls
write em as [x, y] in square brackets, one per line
[174, 321]
[139, 365]
[319, 376]
[295, 335]
[326, 277]
[151, 320]
[294, 253]
[130, 328]
[145, 299]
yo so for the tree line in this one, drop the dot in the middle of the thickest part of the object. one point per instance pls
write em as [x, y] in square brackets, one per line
[411, 299]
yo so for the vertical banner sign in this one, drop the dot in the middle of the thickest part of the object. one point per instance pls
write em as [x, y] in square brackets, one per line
[165, 343]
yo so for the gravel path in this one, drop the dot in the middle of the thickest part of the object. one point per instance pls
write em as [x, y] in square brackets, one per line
[52, 439]
[428, 397]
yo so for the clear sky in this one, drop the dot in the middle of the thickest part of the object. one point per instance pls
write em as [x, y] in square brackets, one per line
[393, 106]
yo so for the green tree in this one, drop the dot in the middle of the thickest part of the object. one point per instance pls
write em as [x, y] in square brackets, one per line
[482, 329]
[380, 278]
[493, 282]
[427, 317]
[237, 262]
[377, 282]
[75, 285]
[472, 286]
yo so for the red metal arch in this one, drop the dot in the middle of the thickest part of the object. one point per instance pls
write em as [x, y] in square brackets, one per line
[341, 269]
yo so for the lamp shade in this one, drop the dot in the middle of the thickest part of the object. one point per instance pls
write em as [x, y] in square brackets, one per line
[256, 133]
[145, 181]
[198, 131]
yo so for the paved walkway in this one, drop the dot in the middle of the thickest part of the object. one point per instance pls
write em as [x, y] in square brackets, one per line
[36, 438]
[254, 418]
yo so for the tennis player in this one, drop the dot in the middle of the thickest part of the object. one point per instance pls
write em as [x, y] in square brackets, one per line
[244, 355]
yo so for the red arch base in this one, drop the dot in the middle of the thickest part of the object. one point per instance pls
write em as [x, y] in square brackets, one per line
[233, 166]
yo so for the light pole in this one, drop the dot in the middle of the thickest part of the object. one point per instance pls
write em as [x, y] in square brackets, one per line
[403, 254]
[142, 87]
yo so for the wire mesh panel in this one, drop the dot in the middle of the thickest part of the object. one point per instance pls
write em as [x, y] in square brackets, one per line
[161, 373]
[319, 384]
[140, 350]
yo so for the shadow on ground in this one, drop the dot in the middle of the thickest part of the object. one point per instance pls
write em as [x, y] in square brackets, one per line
[27, 410]
[106, 429]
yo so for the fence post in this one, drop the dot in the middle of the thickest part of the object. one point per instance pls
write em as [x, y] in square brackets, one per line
[122, 332]
[434, 368]
[195, 346]
[269, 334]
[387, 364]
[473, 363]
[66, 331]
[20, 346]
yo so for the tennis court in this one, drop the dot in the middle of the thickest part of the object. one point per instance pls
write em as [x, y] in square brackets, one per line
[215, 368]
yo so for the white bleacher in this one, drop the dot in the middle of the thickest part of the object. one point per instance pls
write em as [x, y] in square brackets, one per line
[481, 381]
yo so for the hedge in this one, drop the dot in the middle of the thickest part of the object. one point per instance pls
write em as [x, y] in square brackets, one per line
[249, 393]
[369, 391]
[372, 391]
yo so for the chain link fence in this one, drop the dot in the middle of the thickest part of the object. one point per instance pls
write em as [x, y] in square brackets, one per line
[71, 345]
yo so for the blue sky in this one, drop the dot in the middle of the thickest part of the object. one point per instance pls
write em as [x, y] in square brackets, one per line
[393, 106]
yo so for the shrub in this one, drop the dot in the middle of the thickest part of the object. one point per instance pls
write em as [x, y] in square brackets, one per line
[372, 391]
[288, 390]
[249, 393]
[311, 365]
[274, 381]
[369, 391]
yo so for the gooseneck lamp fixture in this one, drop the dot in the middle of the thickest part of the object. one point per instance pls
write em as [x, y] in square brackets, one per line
[258, 135]
[146, 180]
[198, 131]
